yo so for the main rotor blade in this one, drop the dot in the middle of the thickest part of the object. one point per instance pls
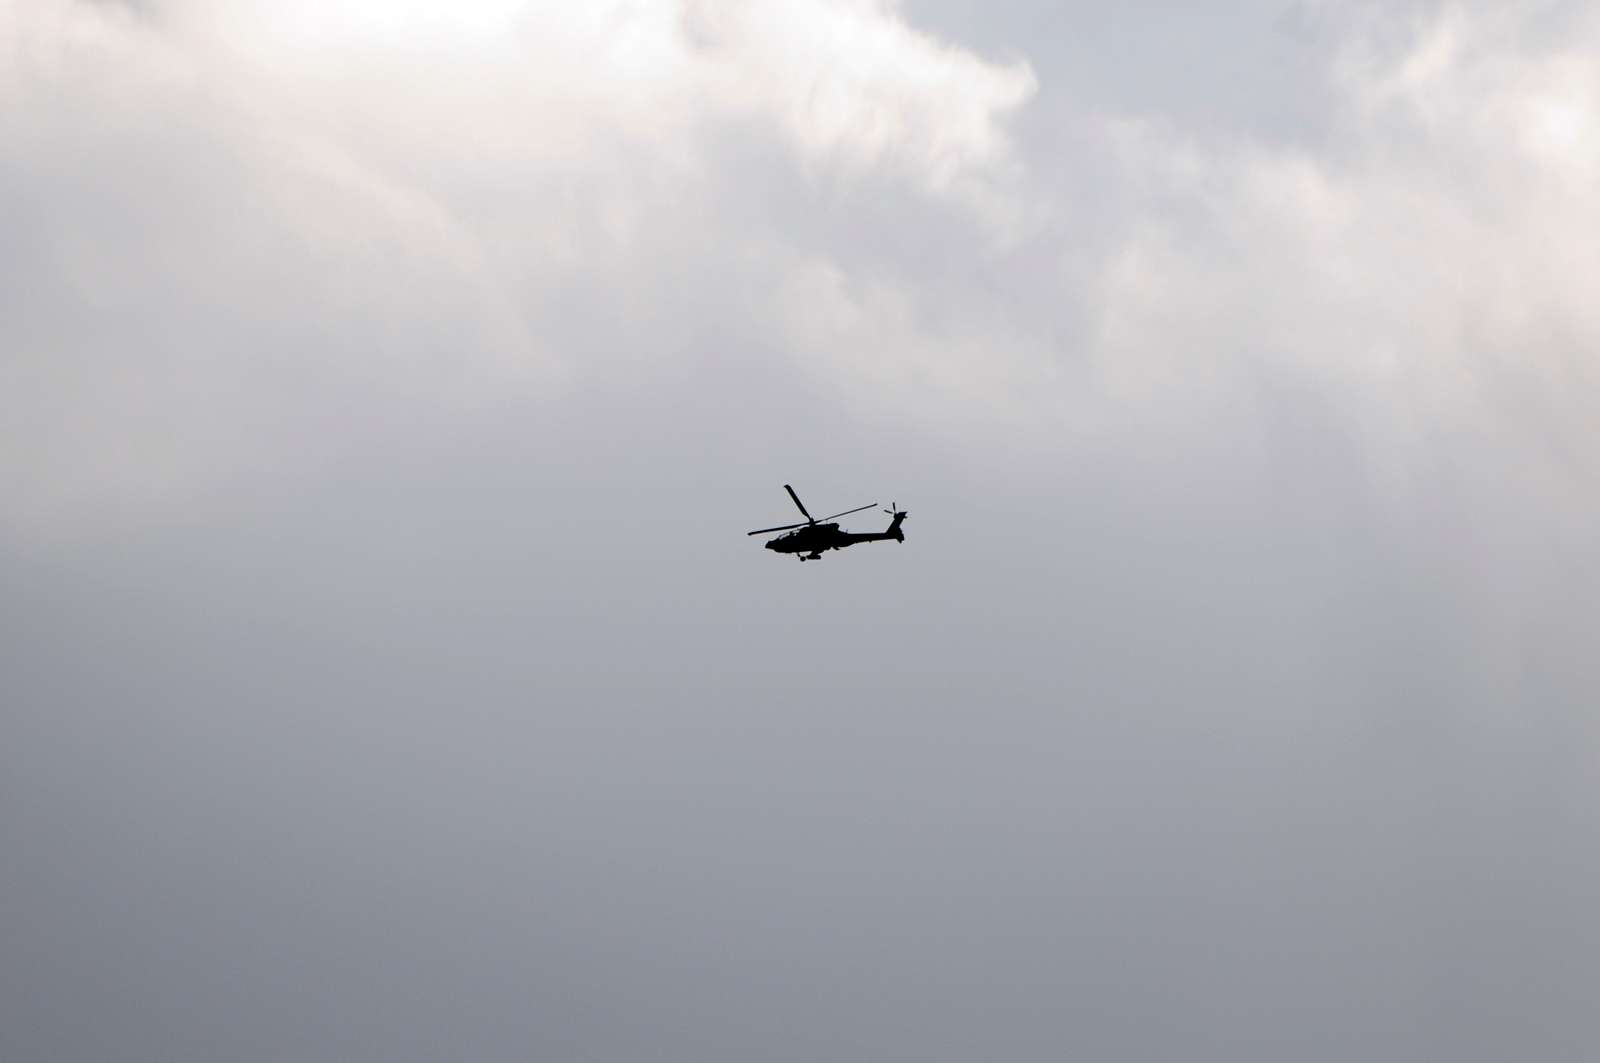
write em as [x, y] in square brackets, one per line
[847, 512]
[784, 527]
[796, 498]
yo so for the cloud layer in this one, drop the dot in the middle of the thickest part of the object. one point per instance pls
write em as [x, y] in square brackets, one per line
[384, 390]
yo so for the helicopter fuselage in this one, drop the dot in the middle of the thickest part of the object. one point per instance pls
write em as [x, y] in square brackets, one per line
[812, 539]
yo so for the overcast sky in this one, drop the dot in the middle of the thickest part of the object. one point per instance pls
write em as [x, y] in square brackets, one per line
[386, 387]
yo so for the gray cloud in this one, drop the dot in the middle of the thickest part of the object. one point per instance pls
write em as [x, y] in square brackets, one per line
[387, 676]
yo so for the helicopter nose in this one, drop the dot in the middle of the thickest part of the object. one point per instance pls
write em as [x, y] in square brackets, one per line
[772, 545]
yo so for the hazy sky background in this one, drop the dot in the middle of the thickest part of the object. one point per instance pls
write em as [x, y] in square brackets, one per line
[385, 390]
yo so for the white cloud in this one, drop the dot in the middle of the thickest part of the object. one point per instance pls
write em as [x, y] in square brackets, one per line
[247, 232]
[1434, 242]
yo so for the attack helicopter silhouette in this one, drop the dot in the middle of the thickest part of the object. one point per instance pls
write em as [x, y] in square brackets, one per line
[810, 539]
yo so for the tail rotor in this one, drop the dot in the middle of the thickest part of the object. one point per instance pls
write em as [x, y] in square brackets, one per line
[899, 515]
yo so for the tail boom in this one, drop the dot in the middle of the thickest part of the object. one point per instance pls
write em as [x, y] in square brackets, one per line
[893, 532]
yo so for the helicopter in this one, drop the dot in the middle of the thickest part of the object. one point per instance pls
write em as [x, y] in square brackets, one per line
[810, 539]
